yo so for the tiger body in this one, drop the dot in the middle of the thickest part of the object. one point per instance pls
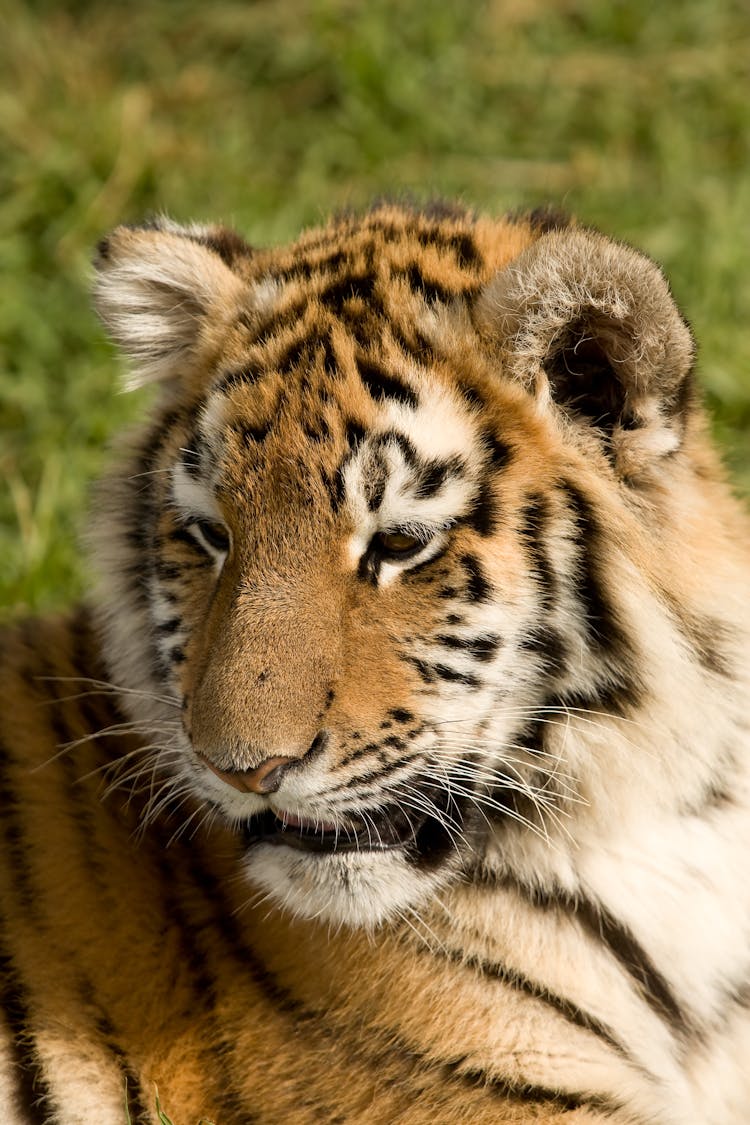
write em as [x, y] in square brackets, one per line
[400, 771]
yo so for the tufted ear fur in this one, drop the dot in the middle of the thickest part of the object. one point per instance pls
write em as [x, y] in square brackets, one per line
[591, 325]
[164, 292]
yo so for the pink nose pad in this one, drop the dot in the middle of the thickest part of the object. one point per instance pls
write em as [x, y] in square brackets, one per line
[265, 778]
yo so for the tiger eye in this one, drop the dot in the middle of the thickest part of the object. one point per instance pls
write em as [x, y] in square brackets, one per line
[398, 543]
[215, 534]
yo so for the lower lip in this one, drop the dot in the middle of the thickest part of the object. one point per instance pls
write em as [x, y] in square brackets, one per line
[289, 820]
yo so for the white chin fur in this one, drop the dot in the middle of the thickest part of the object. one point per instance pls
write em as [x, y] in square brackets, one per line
[357, 889]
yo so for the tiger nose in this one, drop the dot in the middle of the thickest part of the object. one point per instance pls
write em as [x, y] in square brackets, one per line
[265, 778]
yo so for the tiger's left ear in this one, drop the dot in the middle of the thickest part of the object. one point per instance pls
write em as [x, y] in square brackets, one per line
[590, 325]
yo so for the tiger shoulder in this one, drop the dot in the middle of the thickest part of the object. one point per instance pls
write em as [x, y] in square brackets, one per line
[397, 768]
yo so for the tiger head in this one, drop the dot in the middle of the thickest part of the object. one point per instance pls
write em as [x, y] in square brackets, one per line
[395, 577]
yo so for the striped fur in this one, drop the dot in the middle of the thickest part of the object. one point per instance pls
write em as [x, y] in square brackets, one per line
[397, 772]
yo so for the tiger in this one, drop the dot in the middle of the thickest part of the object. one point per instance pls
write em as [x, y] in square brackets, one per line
[395, 768]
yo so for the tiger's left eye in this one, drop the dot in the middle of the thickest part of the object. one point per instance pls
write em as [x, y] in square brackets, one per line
[397, 544]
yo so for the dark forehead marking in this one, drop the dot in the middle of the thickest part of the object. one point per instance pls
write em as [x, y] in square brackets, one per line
[249, 373]
[252, 434]
[430, 287]
[407, 448]
[412, 342]
[280, 319]
[306, 266]
[330, 361]
[382, 384]
[348, 288]
[294, 354]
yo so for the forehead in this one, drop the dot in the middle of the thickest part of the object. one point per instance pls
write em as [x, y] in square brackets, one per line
[342, 328]
[353, 349]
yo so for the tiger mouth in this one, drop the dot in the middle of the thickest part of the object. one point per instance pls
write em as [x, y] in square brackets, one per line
[422, 836]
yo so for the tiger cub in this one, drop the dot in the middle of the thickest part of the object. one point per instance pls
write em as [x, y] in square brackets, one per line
[398, 769]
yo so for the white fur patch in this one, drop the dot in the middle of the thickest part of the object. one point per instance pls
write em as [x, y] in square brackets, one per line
[192, 496]
[362, 889]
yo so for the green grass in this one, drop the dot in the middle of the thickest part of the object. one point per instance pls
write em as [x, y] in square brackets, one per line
[162, 1117]
[633, 115]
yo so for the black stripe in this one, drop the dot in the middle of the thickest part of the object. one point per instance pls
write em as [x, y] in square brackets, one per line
[138, 1111]
[407, 448]
[295, 353]
[283, 318]
[354, 433]
[308, 267]
[334, 486]
[412, 342]
[180, 534]
[430, 288]
[478, 586]
[615, 695]
[621, 943]
[244, 376]
[31, 1084]
[531, 737]
[542, 219]
[426, 671]
[605, 632]
[501, 454]
[375, 482]
[253, 434]
[521, 983]
[624, 947]
[473, 396]
[190, 457]
[706, 637]
[316, 429]
[549, 645]
[529, 1094]
[431, 477]
[481, 648]
[482, 515]
[467, 251]
[16, 849]
[31, 1089]
[194, 957]
[349, 288]
[443, 672]
[381, 384]
[167, 628]
[533, 530]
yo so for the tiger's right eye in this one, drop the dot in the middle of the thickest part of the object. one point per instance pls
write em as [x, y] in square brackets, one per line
[397, 545]
[215, 535]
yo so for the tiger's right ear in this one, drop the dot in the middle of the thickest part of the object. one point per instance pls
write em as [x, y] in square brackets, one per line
[165, 294]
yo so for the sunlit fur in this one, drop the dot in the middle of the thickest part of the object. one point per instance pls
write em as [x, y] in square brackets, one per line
[527, 733]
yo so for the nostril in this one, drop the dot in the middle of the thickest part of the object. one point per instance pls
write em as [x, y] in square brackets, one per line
[266, 778]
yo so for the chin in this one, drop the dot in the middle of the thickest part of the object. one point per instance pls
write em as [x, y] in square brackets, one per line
[360, 890]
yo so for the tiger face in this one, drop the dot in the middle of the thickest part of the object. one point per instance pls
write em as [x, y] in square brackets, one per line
[370, 586]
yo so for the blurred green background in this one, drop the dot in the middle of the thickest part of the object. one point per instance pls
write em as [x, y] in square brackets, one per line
[635, 116]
